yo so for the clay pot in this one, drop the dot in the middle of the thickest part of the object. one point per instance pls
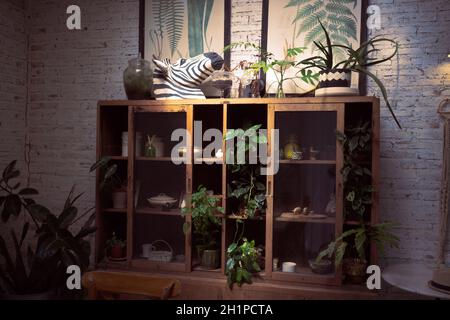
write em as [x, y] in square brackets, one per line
[354, 270]
[116, 252]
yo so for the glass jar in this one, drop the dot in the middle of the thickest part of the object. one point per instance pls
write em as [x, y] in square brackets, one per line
[138, 79]
[291, 147]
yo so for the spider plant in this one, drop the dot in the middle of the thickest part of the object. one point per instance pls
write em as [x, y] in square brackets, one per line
[358, 60]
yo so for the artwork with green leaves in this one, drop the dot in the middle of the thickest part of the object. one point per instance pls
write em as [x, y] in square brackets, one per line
[295, 24]
[175, 29]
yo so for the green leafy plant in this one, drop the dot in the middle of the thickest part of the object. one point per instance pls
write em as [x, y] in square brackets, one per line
[336, 16]
[356, 144]
[267, 61]
[356, 60]
[360, 238]
[203, 209]
[247, 188]
[44, 266]
[110, 180]
[242, 262]
[115, 241]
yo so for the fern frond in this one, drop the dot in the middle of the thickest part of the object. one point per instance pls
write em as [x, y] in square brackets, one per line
[311, 22]
[294, 3]
[308, 10]
[347, 26]
[355, 2]
[173, 15]
[339, 9]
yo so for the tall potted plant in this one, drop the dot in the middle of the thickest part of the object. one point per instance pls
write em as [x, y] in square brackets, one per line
[42, 272]
[248, 188]
[203, 210]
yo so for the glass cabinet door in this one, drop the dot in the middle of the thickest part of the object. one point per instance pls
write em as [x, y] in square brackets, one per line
[161, 184]
[305, 217]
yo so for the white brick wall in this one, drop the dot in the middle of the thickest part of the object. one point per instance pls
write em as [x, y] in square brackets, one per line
[70, 71]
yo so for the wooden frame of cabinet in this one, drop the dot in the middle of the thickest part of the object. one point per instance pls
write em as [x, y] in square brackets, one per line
[116, 116]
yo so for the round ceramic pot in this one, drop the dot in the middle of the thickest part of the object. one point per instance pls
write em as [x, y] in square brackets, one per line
[119, 199]
[138, 79]
[211, 259]
[354, 270]
[334, 78]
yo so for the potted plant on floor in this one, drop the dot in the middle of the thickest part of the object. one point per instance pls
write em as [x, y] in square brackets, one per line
[248, 187]
[115, 248]
[111, 183]
[203, 210]
[353, 256]
[41, 274]
[338, 73]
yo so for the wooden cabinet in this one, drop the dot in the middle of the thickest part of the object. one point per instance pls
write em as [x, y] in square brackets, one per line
[308, 180]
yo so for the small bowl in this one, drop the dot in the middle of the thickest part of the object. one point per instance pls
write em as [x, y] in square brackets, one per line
[288, 266]
[321, 267]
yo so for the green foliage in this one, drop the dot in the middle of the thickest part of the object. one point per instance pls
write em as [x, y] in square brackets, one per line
[168, 16]
[242, 262]
[247, 188]
[203, 210]
[360, 238]
[356, 60]
[336, 15]
[108, 172]
[57, 247]
[115, 241]
[356, 144]
[267, 61]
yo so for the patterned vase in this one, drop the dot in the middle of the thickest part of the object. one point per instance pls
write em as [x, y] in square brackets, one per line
[335, 78]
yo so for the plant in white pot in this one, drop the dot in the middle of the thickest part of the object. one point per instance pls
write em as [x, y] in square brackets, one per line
[334, 74]
[111, 184]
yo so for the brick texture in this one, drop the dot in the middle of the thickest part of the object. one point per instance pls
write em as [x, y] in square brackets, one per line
[71, 70]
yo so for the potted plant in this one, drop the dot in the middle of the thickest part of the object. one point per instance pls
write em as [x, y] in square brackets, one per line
[41, 274]
[203, 210]
[338, 74]
[116, 247]
[353, 257]
[111, 184]
[267, 61]
[247, 188]
[242, 262]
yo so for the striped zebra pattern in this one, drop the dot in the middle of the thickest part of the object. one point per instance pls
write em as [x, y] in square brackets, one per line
[181, 80]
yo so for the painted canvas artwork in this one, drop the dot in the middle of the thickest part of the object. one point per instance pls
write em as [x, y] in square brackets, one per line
[295, 23]
[183, 28]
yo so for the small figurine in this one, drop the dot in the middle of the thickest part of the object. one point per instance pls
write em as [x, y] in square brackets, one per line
[331, 206]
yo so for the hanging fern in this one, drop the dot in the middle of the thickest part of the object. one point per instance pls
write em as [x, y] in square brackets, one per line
[173, 17]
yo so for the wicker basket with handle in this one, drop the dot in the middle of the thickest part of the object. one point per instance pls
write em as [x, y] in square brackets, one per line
[160, 255]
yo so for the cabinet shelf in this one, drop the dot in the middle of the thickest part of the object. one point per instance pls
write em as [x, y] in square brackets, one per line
[158, 211]
[113, 210]
[316, 162]
[306, 219]
[158, 159]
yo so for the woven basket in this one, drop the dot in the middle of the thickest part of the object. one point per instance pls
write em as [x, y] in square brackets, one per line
[160, 255]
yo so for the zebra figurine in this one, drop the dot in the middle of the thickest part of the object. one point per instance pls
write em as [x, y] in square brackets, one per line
[181, 80]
